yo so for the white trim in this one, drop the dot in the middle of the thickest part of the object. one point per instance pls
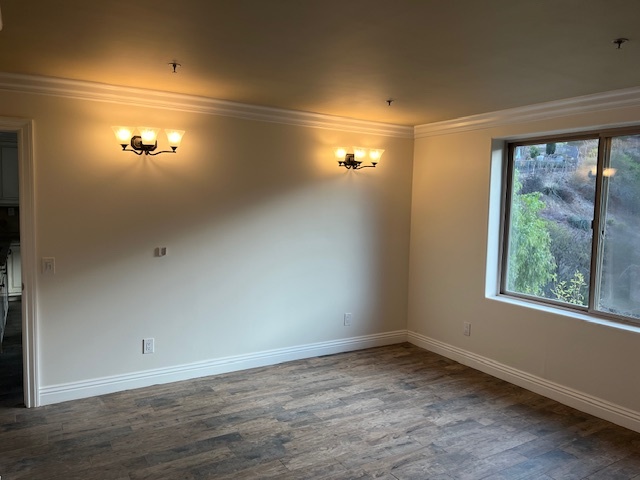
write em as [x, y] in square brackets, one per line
[628, 97]
[77, 89]
[190, 103]
[565, 312]
[24, 129]
[116, 383]
[581, 401]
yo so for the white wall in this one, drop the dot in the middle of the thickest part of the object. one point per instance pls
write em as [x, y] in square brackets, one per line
[450, 226]
[269, 242]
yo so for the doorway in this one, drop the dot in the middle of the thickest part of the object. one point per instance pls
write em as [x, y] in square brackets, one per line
[17, 219]
[11, 374]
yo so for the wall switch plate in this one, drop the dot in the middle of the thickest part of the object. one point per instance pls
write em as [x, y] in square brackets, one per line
[148, 345]
[347, 319]
[161, 251]
[467, 329]
[48, 265]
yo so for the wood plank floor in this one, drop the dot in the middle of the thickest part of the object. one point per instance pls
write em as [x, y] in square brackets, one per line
[394, 412]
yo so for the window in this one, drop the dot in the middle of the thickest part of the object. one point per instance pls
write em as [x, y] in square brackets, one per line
[571, 232]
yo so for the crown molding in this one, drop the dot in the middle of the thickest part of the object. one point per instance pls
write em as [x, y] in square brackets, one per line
[77, 89]
[139, 97]
[629, 97]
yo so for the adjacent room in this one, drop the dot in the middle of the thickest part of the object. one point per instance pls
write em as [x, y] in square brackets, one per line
[296, 239]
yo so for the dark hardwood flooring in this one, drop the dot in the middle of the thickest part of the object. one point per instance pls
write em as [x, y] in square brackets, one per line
[389, 413]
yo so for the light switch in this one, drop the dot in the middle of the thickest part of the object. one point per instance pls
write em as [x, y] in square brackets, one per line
[48, 265]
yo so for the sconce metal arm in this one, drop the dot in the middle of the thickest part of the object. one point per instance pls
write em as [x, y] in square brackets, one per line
[173, 150]
[139, 148]
[351, 163]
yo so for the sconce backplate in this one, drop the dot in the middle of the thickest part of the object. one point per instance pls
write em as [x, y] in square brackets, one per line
[136, 144]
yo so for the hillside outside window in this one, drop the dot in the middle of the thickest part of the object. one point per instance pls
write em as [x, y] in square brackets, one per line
[571, 232]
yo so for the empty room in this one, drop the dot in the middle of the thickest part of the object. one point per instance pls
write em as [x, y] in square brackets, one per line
[319, 239]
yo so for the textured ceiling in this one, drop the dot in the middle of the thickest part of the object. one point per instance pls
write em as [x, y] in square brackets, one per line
[437, 59]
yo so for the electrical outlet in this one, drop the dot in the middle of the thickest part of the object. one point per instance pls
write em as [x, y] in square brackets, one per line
[467, 329]
[148, 345]
[347, 319]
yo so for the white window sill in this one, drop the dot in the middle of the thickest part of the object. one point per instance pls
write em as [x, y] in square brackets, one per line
[566, 313]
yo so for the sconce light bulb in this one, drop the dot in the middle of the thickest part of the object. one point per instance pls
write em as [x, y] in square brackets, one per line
[341, 152]
[174, 137]
[359, 153]
[375, 154]
[123, 134]
[148, 135]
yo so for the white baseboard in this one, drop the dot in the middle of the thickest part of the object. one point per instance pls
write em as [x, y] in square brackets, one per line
[587, 403]
[99, 386]
[580, 401]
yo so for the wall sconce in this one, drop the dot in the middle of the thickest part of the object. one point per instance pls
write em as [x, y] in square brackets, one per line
[147, 140]
[355, 159]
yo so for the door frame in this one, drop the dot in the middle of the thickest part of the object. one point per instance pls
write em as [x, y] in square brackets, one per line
[26, 171]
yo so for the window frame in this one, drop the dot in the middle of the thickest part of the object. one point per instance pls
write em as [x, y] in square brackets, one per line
[604, 137]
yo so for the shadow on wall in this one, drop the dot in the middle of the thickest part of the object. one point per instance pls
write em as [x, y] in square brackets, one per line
[261, 240]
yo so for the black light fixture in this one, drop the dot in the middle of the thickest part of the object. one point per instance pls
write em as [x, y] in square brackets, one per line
[146, 141]
[619, 42]
[353, 161]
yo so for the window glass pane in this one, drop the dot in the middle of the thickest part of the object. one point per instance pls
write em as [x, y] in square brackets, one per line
[551, 213]
[620, 278]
